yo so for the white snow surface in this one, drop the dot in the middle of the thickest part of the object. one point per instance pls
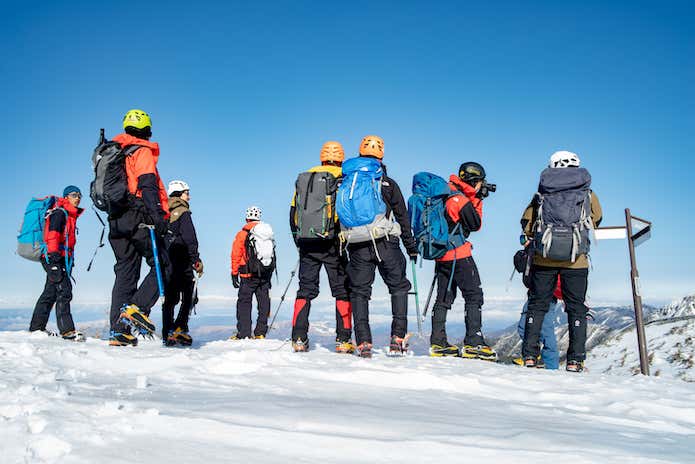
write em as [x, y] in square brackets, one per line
[256, 401]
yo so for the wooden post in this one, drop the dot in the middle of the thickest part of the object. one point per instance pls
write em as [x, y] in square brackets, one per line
[637, 297]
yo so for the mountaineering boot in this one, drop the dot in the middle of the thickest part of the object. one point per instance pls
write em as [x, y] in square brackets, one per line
[169, 340]
[530, 361]
[575, 366]
[259, 337]
[122, 339]
[398, 345]
[346, 347]
[444, 350]
[131, 316]
[483, 352]
[236, 336]
[365, 350]
[181, 337]
[74, 336]
[300, 346]
[540, 364]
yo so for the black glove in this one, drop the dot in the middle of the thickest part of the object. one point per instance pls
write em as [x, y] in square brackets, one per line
[413, 254]
[161, 228]
[235, 280]
[55, 268]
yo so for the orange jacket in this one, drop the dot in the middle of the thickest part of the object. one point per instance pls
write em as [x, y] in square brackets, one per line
[454, 207]
[239, 256]
[143, 161]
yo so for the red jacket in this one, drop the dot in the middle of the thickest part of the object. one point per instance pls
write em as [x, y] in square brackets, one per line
[465, 209]
[143, 161]
[58, 227]
[239, 256]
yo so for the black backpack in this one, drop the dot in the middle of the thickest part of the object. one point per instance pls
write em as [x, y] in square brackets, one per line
[564, 223]
[109, 189]
[315, 205]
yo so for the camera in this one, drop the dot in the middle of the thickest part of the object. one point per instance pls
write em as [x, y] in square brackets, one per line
[486, 189]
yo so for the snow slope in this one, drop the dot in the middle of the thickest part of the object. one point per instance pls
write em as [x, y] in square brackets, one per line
[255, 401]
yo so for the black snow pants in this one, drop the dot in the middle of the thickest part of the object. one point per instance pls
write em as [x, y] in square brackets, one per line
[248, 287]
[130, 244]
[467, 280]
[574, 285]
[58, 294]
[312, 256]
[179, 288]
[391, 263]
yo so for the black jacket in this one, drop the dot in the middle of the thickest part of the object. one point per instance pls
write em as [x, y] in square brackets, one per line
[184, 244]
[391, 193]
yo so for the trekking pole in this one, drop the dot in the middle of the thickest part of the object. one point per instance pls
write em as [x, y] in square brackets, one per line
[417, 299]
[155, 253]
[429, 297]
[282, 298]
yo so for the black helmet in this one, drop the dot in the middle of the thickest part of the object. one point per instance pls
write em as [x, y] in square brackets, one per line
[471, 172]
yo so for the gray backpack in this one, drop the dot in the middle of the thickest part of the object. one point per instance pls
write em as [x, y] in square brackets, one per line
[315, 205]
[563, 226]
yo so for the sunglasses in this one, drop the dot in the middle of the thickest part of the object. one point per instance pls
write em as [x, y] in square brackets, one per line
[75, 195]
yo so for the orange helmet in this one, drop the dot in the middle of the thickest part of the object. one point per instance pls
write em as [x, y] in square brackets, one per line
[372, 145]
[332, 151]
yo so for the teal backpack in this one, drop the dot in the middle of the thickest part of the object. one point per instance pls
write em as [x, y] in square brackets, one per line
[30, 243]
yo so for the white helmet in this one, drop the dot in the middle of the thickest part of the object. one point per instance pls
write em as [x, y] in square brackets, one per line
[564, 159]
[253, 213]
[177, 186]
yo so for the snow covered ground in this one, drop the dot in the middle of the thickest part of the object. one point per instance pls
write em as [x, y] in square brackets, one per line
[255, 401]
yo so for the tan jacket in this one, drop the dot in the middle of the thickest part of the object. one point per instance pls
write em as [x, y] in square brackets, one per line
[528, 220]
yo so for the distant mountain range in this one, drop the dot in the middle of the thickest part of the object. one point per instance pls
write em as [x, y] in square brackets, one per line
[612, 340]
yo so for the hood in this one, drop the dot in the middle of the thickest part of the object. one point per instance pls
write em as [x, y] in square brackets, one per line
[127, 139]
[177, 206]
[67, 206]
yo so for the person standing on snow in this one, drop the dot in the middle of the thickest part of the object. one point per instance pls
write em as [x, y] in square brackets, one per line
[251, 274]
[148, 204]
[457, 268]
[315, 228]
[184, 257]
[550, 356]
[60, 236]
[558, 221]
[383, 253]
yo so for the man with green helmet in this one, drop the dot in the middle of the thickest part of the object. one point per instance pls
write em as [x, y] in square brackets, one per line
[147, 204]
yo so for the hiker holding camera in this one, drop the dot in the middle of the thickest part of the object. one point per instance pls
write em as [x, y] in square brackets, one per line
[558, 222]
[456, 269]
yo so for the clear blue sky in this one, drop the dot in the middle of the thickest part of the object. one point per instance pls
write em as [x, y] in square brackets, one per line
[242, 97]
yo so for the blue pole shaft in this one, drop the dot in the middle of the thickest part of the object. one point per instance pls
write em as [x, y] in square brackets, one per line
[157, 269]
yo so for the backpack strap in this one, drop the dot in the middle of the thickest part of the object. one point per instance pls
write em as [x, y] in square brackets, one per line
[130, 149]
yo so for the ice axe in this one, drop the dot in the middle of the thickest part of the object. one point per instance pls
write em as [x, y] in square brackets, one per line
[155, 253]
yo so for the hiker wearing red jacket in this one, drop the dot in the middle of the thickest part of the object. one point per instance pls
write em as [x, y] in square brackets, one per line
[457, 271]
[248, 283]
[59, 234]
[147, 204]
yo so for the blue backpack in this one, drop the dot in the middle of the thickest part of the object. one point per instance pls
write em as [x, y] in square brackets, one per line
[359, 199]
[428, 216]
[30, 243]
